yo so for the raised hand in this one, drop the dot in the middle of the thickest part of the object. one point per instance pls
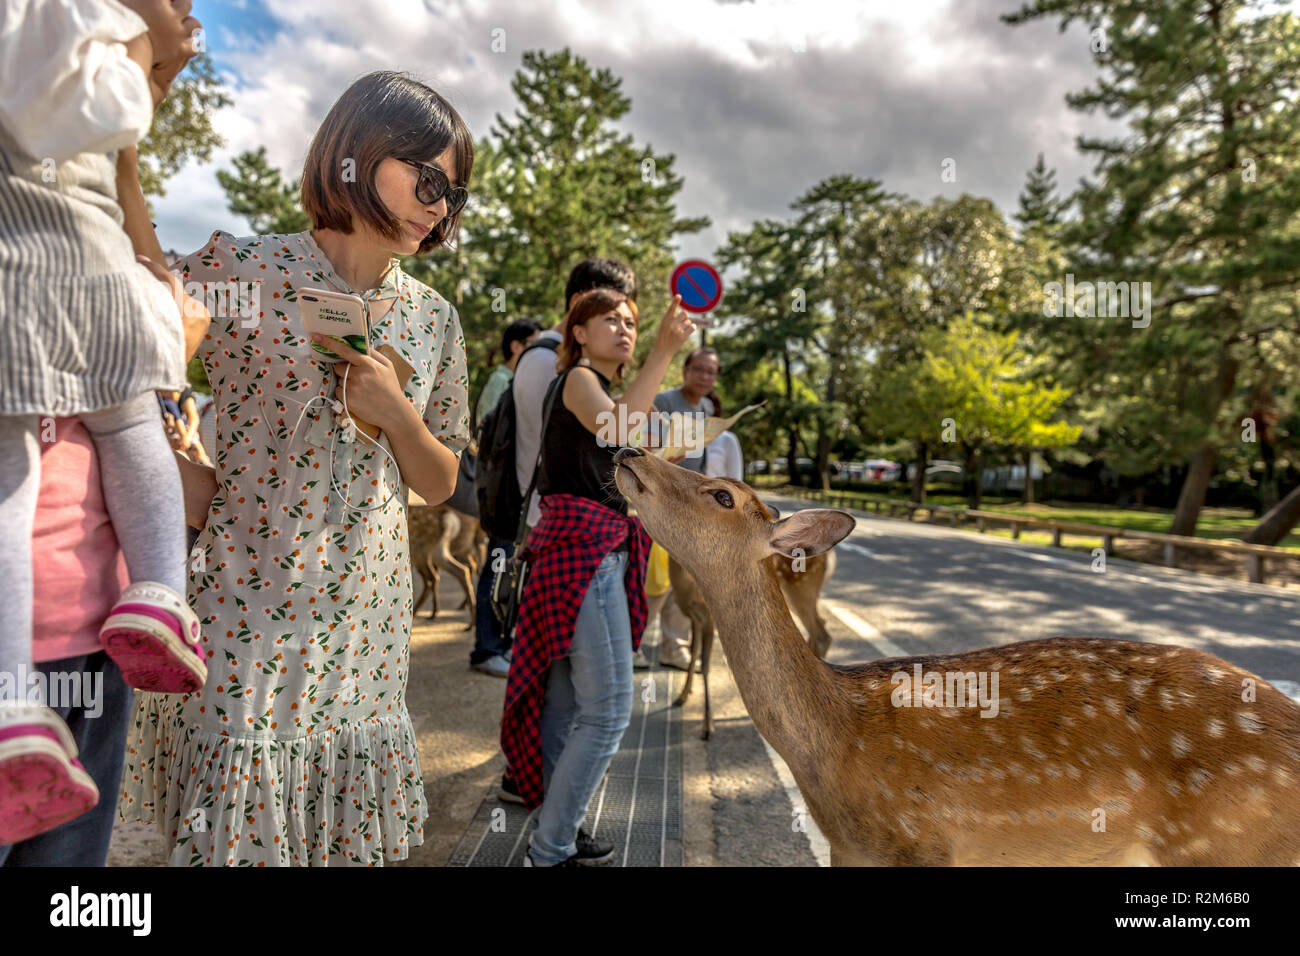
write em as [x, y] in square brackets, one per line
[676, 327]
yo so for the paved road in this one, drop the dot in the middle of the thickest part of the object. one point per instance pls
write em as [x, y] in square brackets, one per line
[909, 588]
[929, 589]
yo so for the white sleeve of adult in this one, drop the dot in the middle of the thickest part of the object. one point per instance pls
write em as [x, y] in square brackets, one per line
[533, 376]
[735, 460]
[70, 87]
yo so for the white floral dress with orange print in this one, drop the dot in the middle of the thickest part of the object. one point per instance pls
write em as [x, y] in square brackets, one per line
[299, 749]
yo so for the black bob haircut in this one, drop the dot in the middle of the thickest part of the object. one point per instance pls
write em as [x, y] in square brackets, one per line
[600, 274]
[519, 331]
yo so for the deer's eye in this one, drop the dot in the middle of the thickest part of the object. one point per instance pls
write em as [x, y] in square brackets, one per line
[723, 498]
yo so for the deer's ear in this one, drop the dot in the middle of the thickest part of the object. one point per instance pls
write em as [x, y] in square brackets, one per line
[810, 532]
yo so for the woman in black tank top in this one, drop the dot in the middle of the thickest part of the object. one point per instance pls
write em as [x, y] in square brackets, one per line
[581, 463]
[587, 702]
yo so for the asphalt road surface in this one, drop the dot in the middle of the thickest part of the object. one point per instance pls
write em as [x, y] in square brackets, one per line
[903, 588]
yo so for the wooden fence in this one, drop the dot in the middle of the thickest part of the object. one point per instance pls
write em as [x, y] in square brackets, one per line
[1256, 554]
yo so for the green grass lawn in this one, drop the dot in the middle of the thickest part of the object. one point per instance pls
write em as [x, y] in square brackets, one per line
[1213, 523]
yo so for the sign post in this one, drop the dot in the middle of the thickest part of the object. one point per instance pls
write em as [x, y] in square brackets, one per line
[700, 287]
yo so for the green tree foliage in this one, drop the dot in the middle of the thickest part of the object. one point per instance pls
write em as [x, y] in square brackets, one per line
[182, 126]
[974, 386]
[826, 216]
[554, 184]
[771, 328]
[911, 266]
[1201, 200]
[1041, 208]
[256, 191]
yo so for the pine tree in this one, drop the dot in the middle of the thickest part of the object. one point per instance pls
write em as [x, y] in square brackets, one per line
[554, 184]
[1202, 200]
[826, 216]
[767, 308]
[182, 126]
[257, 191]
[1040, 206]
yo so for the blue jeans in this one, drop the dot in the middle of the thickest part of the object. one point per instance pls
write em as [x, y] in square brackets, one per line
[488, 639]
[101, 745]
[587, 707]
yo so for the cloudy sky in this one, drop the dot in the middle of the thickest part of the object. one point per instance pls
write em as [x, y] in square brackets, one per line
[758, 100]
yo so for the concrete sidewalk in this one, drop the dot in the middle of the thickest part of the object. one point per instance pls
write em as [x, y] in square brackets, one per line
[696, 803]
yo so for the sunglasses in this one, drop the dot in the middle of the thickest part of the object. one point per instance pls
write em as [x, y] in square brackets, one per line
[433, 185]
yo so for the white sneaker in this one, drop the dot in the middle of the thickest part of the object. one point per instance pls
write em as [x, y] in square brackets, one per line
[497, 666]
[679, 663]
[639, 661]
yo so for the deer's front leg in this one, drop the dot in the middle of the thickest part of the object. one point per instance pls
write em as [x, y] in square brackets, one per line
[690, 669]
[705, 652]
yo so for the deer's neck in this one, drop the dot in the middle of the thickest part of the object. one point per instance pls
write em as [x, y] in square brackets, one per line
[788, 691]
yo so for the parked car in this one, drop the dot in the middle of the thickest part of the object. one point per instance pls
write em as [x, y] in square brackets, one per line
[882, 469]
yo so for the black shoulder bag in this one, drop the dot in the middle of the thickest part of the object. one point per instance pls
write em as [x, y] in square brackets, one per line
[508, 585]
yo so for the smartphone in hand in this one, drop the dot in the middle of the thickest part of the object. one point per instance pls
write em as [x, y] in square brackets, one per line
[337, 314]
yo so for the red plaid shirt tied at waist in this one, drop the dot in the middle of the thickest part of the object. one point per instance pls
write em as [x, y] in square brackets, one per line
[564, 551]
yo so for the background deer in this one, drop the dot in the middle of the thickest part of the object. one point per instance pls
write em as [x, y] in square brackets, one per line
[802, 580]
[443, 538]
[1099, 752]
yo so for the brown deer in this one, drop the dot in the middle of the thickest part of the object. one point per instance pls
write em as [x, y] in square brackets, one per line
[443, 538]
[1083, 752]
[802, 580]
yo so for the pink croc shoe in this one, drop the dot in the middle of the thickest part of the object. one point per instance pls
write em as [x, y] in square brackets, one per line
[153, 636]
[41, 783]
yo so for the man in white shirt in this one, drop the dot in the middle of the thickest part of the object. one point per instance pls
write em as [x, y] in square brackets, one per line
[491, 647]
[722, 458]
[517, 337]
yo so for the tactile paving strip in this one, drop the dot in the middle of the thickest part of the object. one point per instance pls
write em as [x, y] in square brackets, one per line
[638, 806]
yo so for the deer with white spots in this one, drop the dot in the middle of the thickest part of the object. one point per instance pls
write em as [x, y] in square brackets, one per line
[802, 579]
[1068, 751]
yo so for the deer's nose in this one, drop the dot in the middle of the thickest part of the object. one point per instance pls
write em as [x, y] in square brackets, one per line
[627, 453]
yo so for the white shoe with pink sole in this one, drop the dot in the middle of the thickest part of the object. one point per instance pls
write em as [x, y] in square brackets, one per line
[42, 785]
[153, 636]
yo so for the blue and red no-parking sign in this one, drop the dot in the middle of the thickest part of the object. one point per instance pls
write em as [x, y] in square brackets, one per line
[699, 285]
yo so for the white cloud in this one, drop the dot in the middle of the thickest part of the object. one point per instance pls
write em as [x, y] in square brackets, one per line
[757, 100]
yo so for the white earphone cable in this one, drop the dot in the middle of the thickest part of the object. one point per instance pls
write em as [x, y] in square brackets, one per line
[330, 403]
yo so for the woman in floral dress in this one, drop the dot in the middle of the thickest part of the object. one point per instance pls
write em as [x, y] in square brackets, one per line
[299, 750]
